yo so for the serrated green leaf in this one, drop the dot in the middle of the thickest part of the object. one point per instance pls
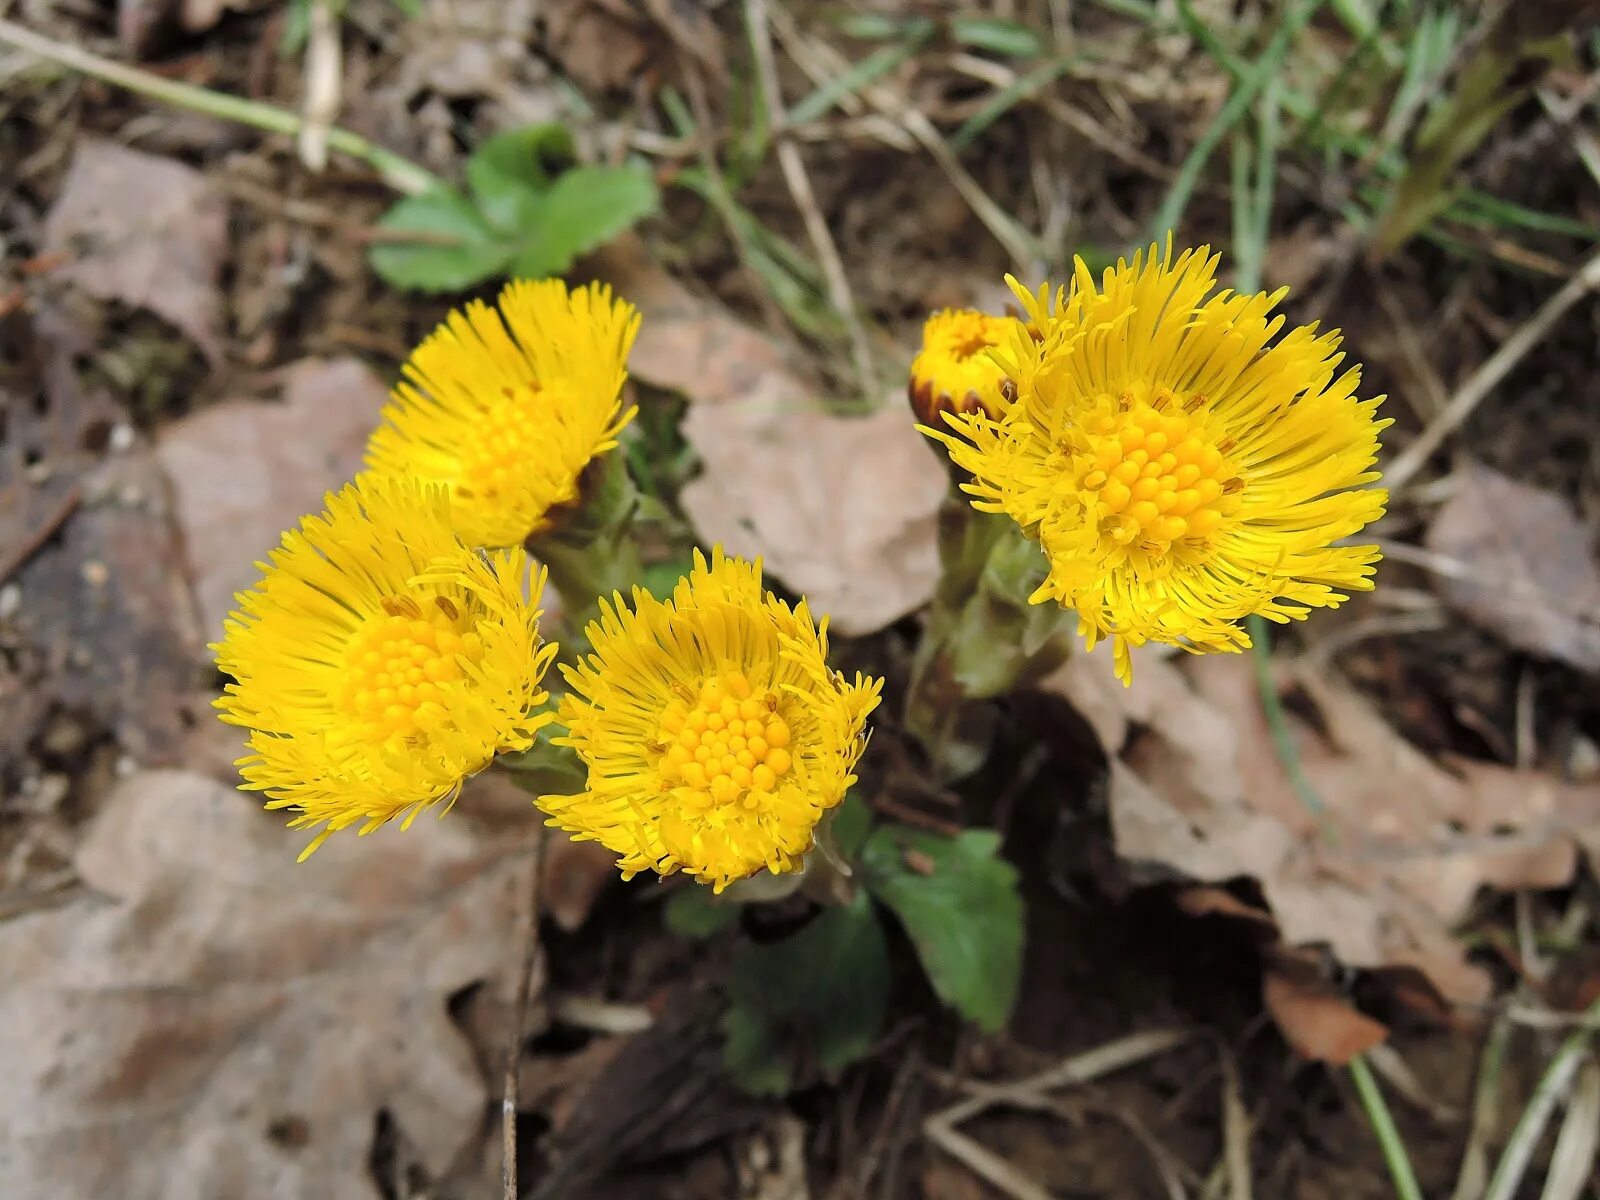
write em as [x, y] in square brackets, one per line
[454, 247]
[586, 207]
[958, 901]
[695, 912]
[819, 996]
[507, 167]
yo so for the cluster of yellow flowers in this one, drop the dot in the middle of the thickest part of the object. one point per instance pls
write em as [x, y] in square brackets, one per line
[1182, 465]
[391, 648]
[1181, 461]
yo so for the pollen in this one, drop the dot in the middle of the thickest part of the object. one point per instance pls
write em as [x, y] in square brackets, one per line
[726, 747]
[1152, 472]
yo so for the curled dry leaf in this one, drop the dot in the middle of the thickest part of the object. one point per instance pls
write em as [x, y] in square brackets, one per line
[1520, 564]
[148, 231]
[1318, 1022]
[843, 509]
[213, 1019]
[243, 472]
[1384, 873]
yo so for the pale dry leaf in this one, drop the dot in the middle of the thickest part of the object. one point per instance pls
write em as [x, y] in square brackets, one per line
[844, 510]
[462, 49]
[1521, 565]
[244, 471]
[213, 1019]
[147, 231]
[694, 346]
[1197, 790]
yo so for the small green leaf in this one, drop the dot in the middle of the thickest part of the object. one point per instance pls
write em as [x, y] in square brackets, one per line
[454, 246]
[820, 995]
[959, 902]
[507, 167]
[586, 207]
[695, 912]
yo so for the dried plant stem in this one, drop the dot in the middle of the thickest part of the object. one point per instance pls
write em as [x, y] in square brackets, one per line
[794, 174]
[399, 173]
[530, 960]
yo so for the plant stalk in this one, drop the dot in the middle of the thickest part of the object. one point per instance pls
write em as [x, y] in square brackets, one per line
[398, 172]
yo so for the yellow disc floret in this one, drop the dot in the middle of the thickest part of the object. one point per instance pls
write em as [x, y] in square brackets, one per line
[954, 370]
[380, 661]
[506, 406]
[714, 732]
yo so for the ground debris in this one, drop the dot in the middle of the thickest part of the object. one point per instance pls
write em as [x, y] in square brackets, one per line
[230, 1022]
[1521, 565]
[1384, 872]
[148, 231]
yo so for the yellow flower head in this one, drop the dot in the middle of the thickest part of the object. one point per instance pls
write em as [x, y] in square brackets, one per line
[380, 661]
[1182, 465]
[954, 371]
[507, 405]
[714, 731]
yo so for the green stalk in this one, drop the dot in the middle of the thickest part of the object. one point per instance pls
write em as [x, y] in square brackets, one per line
[399, 173]
[1389, 1140]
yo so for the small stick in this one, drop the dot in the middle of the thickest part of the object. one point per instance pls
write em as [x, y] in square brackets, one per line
[530, 959]
[31, 544]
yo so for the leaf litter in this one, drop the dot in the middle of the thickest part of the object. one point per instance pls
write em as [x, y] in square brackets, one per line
[225, 1021]
[1384, 872]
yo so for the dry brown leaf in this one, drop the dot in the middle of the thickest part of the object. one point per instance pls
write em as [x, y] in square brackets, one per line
[1319, 1023]
[213, 1019]
[148, 231]
[843, 509]
[1197, 788]
[1522, 566]
[694, 346]
[243, 472]
[466, 48]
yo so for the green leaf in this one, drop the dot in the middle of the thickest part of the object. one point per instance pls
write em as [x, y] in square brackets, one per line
[959, 903]
[454, 247]
[504, 170]
[1008, 38]
[695, 912]
[817, 997]
[586, 207]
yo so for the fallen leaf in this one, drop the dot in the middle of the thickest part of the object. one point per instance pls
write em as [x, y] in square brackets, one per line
[213, 1019]
[244, 471]
[1319, 1023]
[1384, 873]
[844, 510]
[1521, 565]
[147, 231]
[694, 346]
[467, 48]
[594, 47]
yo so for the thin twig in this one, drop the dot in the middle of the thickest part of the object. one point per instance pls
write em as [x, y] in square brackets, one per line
[30, 545]
[399, 173]
[530, 960]
[1488, 376]
[323, 85]
[794, 174]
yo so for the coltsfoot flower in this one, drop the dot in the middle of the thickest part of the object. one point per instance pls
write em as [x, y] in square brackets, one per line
[1182, 465]
[714, 732]
[954, 371]
[508, 405]
[380, 661]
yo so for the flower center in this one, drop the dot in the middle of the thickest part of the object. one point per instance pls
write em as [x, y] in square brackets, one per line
[726, 744]
[397, 664]
[501, 444]
[1155, 470]
[970, 337]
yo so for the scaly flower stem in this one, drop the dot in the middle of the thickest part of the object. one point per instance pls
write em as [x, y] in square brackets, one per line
[1394, 1148]
[399, 173]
